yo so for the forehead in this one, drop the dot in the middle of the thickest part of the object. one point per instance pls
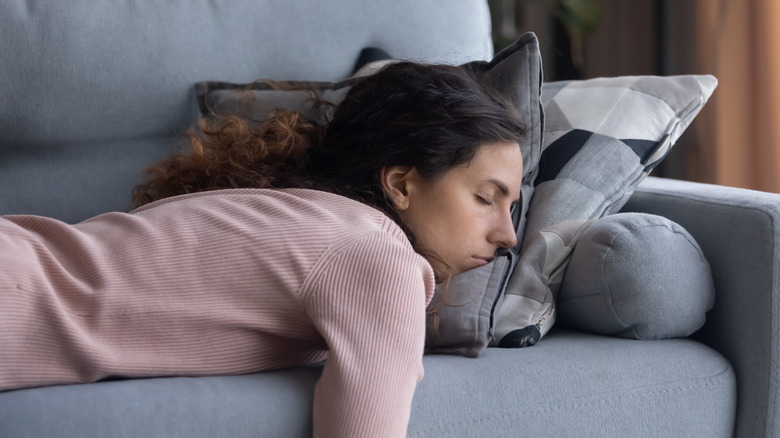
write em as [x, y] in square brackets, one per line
[500, 164]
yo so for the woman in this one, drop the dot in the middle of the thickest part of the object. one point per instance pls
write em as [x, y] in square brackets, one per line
[275, 246]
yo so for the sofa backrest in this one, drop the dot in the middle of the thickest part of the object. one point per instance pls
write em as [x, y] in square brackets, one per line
[93, 91]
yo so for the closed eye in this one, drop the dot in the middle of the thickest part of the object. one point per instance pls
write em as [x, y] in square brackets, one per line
[483, 200]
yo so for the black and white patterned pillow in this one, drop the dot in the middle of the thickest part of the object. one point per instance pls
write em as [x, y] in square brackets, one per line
[602, 137]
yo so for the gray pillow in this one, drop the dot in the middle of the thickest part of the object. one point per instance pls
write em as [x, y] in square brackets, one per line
[601, 139]
[257, 100]
[636, 276]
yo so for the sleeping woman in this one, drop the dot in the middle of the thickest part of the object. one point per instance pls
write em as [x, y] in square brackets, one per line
[276, 245]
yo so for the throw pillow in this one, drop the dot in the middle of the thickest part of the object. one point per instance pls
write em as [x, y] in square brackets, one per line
[637, 276]
[257, 100]
[602, 137]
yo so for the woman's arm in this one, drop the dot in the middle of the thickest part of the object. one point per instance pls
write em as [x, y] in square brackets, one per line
[368, 303]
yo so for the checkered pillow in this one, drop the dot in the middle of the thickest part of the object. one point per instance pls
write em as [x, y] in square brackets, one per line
[602, 137]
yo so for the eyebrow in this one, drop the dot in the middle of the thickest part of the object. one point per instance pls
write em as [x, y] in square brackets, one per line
[501, 186]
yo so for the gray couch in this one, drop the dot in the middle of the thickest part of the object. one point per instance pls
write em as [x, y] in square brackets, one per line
[93, 91]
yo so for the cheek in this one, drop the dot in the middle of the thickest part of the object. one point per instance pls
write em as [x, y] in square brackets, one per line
[430, 220]
[444, 218]
[449, 225]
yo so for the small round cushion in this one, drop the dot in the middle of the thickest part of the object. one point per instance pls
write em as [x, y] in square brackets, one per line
[638, 276]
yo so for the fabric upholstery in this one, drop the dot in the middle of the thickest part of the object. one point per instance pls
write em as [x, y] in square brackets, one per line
[739, 233]
[637, 276]
[572, 384]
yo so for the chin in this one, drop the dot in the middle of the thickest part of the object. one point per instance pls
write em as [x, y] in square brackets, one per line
[444, 272]
[445, 275]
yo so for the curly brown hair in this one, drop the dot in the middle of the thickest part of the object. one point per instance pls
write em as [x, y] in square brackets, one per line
[232, 152]
[430, 117]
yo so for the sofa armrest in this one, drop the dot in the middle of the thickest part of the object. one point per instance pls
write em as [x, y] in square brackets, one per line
[738, 230]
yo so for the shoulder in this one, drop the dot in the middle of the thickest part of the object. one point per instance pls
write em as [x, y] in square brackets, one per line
[309, 212]
[306, 205]
[380, 266]
[331, 234]
[279, 196]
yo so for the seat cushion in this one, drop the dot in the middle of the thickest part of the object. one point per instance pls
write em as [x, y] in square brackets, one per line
[571, 384]
[577, 384]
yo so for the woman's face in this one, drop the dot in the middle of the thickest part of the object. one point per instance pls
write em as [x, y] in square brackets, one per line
[463, 216]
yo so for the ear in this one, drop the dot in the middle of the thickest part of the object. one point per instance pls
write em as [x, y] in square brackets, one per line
[395, 181]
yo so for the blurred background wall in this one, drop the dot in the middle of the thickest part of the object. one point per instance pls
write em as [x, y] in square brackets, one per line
[735, 140]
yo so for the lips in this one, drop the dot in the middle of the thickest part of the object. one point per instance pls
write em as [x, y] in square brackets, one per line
[482, 261]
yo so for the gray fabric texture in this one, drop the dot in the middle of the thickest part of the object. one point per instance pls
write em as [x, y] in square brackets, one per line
[573, 384]
[638, 276]
[463, 320]
[739, 232]
[77, 181]
[593, 156]
[84, 79]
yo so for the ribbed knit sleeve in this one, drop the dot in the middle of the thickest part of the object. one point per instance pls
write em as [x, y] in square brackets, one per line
[368, 302]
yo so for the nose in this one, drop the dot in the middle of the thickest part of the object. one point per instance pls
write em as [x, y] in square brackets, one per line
[503, 233]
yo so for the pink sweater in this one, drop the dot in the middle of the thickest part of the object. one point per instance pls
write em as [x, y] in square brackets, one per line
[224, 282]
